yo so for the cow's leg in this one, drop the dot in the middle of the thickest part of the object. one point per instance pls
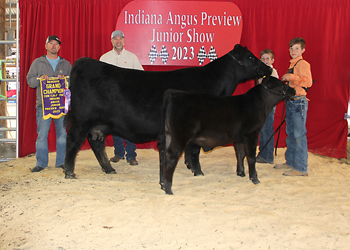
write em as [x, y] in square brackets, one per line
[250, 149]
[99, 149]
[75, 138]
[240, 154]
[192, 159]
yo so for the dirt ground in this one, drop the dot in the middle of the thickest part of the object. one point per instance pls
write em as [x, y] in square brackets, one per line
[217, 211]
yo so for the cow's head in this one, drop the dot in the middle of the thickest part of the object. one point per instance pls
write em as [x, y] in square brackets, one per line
[247, 59]
[275, 86]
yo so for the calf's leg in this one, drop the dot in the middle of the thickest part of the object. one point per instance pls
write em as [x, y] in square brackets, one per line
[99, 149]
[240, 154]
[251, 157]
[192, 159]
[171, 160]
[173, 150]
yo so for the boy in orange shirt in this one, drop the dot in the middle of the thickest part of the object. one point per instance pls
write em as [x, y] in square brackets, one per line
[299, 78]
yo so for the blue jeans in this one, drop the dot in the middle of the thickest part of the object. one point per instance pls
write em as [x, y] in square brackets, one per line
[42, 151]
[265, 134]
[119, 149]
[296, 154]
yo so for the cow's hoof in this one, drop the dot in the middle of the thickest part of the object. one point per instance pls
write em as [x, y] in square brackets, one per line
[70, 176]
[198, 172]
[111, 172]
[242, 174]
[168, 191]
[256, 181]
[166, 188]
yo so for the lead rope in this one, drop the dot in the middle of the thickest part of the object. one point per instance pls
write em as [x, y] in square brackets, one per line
[277, 129]
[282, 121]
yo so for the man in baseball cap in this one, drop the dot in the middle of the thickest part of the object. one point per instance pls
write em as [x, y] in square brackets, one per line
[50, 38]
[45, 67]
[117, 33]
[123, 58]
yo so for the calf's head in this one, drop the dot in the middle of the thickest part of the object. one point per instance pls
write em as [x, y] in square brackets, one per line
[251, 63]
[275, 86]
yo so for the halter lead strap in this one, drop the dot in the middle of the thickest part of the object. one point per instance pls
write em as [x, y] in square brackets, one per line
[234, 58]
[283, 94]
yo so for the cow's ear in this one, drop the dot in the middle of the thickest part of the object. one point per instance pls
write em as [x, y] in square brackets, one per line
[239, 51]
[238, 46]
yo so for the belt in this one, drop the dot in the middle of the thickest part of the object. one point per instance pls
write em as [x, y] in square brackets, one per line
[298, 97]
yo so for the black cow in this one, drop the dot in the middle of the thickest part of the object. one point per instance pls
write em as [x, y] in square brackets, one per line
[210, 121]
[106, 99]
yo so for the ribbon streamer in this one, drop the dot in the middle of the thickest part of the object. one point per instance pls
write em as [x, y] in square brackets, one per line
[66, 94]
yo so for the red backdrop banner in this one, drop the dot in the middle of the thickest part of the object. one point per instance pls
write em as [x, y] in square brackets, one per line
[190, 33]
[85, 26]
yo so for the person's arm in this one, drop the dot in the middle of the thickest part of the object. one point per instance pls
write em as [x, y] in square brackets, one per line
[109, 58]
[32, 75]
[65, 70]
[137, 64]
[301, 77]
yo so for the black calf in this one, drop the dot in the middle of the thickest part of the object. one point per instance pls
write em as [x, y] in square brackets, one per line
[209, 121]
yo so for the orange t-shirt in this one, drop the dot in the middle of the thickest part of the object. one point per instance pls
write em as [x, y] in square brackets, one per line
[301, 76]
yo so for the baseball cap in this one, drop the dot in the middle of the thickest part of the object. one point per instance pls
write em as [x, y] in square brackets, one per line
[50, 38]
[117, 33]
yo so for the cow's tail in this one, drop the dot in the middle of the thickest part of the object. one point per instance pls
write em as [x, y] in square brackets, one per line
[67, 122]
[164, 125]
[162, 139]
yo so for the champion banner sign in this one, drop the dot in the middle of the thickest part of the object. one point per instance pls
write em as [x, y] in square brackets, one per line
[55, 97]
[182, 33]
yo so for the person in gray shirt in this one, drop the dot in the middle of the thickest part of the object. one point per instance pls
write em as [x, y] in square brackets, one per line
[45, 67]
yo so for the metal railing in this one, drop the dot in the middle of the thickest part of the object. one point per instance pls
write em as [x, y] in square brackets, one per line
[12, 142]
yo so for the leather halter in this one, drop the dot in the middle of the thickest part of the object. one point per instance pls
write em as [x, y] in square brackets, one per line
[241, 63]
[283, 94]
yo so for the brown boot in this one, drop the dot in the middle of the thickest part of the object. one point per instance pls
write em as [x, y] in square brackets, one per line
[282, 166]
[294, 172]
[133, 162]
[115, 159]
[259, 160]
